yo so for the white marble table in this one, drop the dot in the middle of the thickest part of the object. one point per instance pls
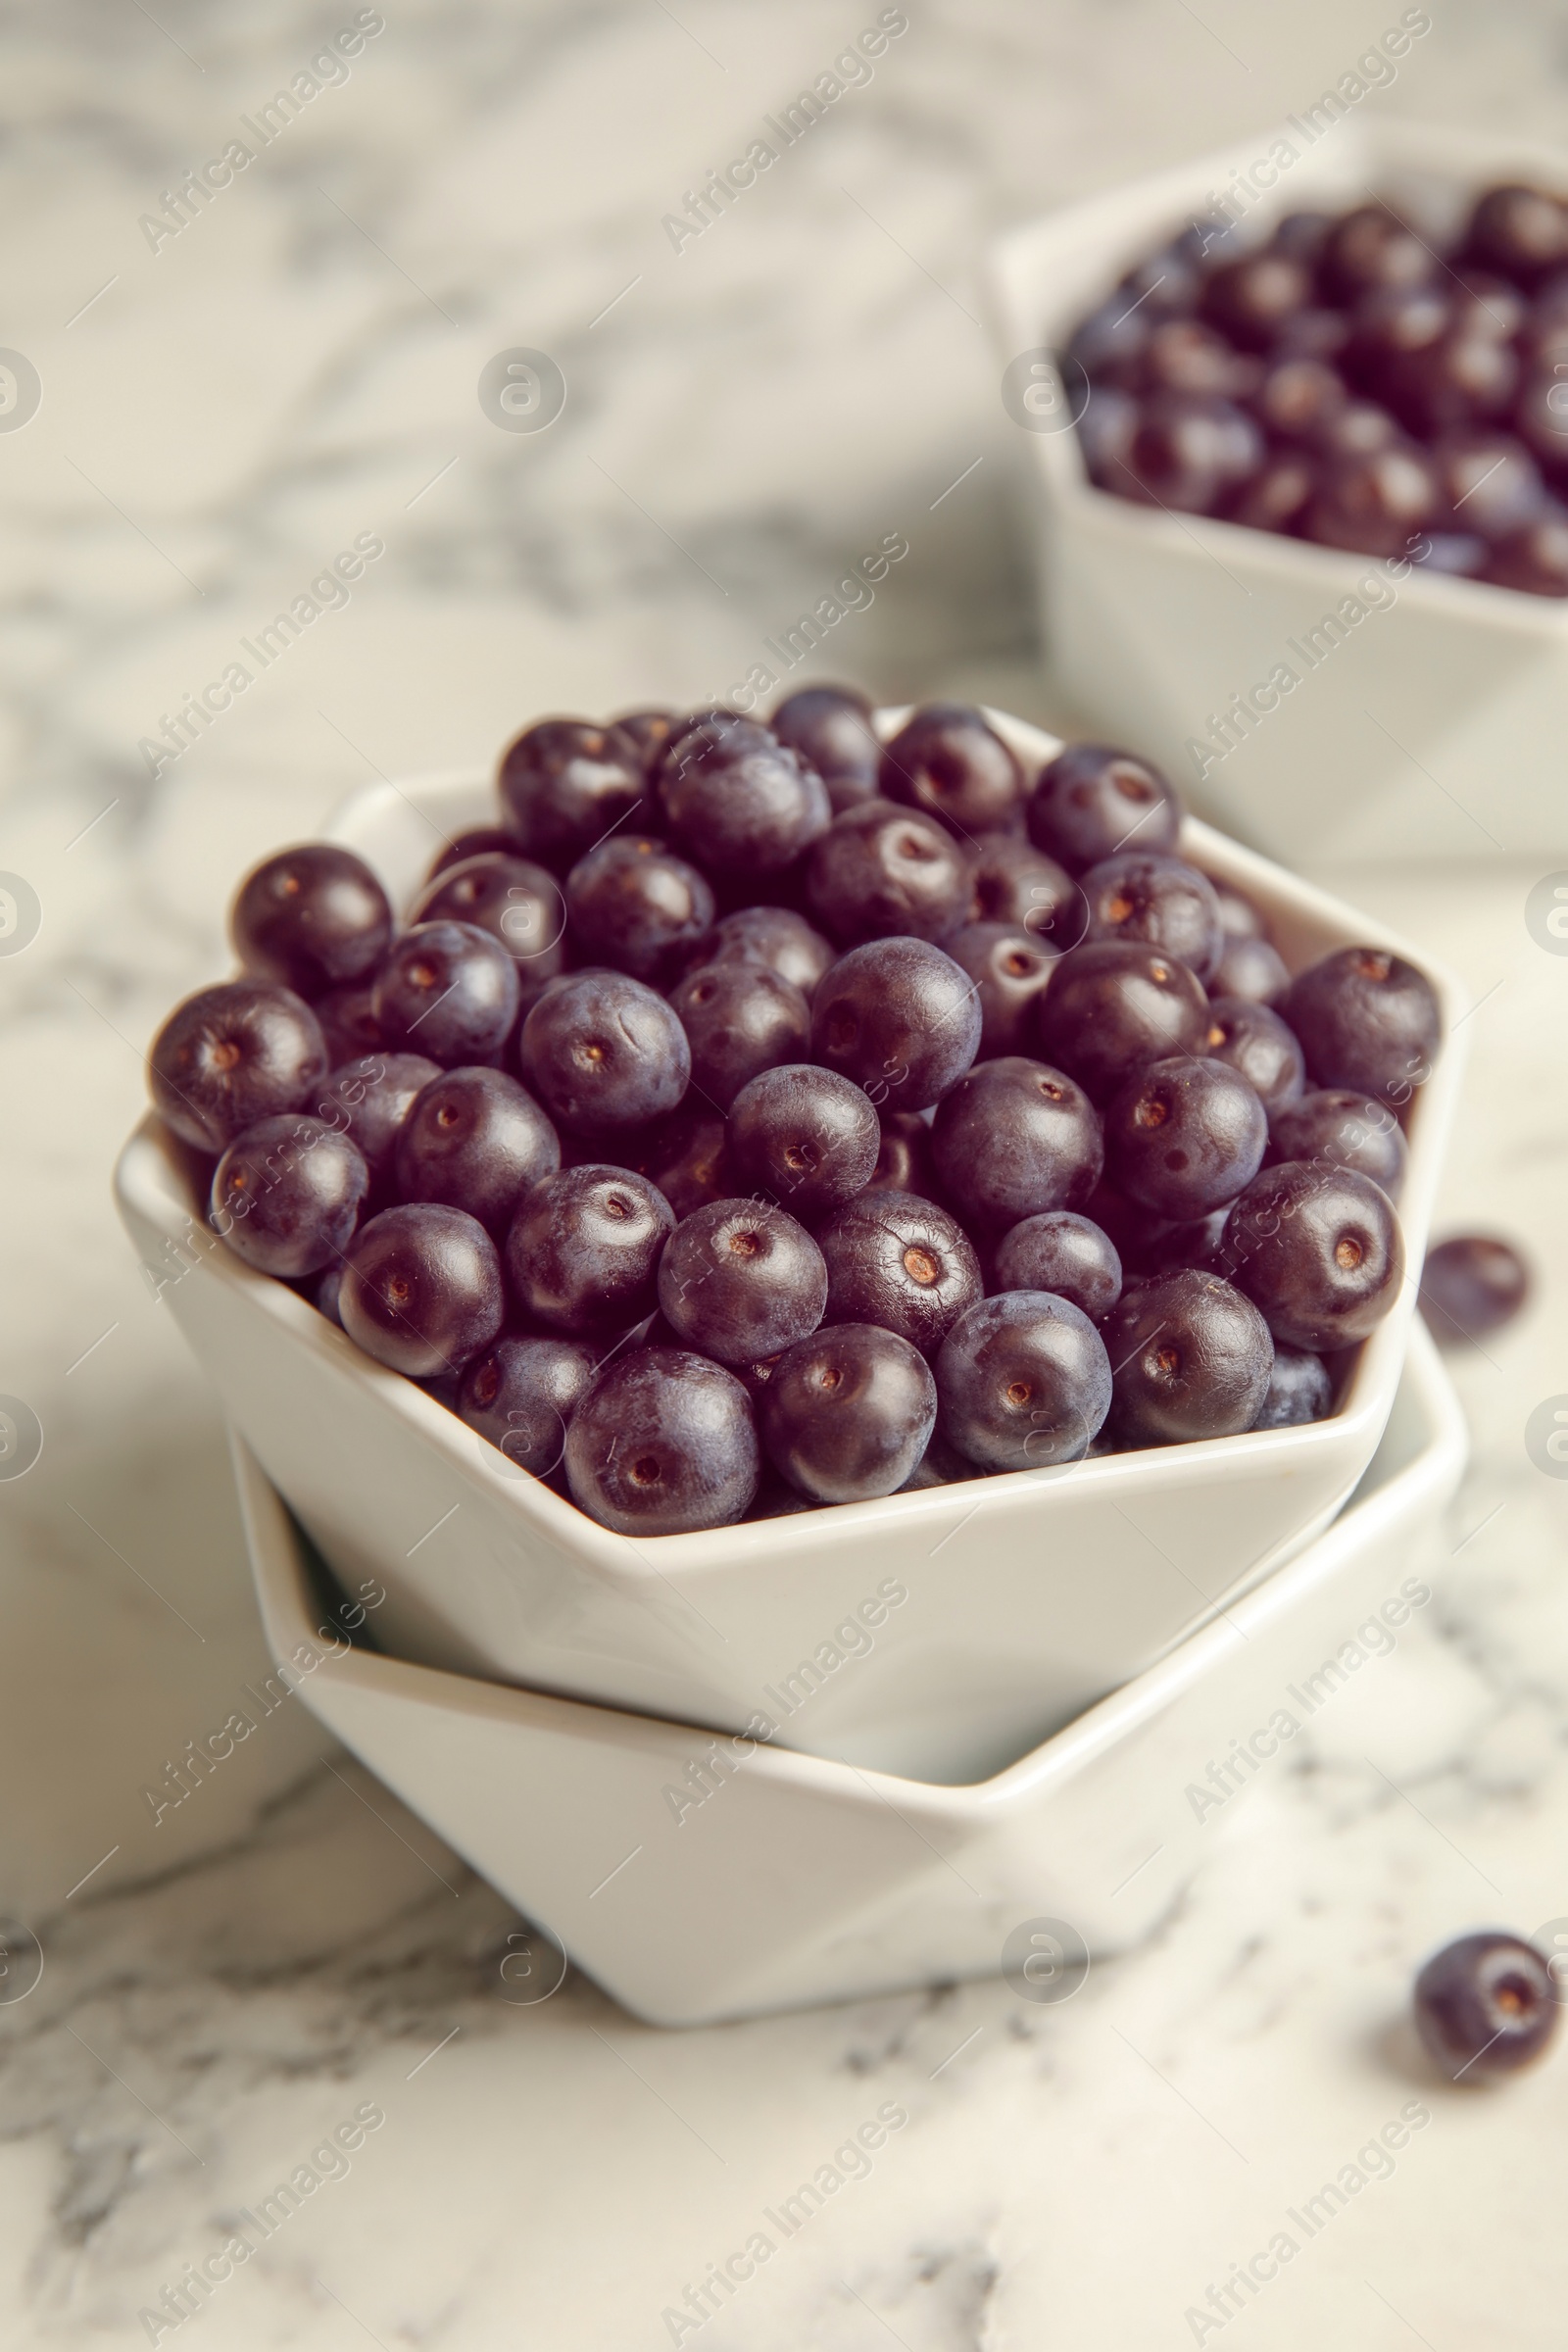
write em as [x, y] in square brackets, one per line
[745, 416]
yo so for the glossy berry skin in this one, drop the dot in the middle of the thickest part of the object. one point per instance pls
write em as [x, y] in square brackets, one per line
[830, 727]
[1250, 970]
[603, 1053]
[348, 1023]
[1520, 232]
[313, 918]
[881, 871]
[848, 1412]
[421, 1290]
[1024, 1382]
[583, 1249]
[564, 784]
[1491, 476]
[903, 1163]
[1190, 452]
[635, 905]
[1114, 1006]
[740, 1020]
[517, 902]
[1471, 1285]
[1183, 1137]
[740, 1280]
[741, 800]
[651, 731]
[1374, 504]
[231, 1055]
[521, 1393]
[775, 936]
[1012, 1138]
[898, 1018]
[1337, 1127]
[664, 1443]
[1318, 1250]
[370, 1098]
[1162, 902]
[1251, 299]
[1368, 1019]
[1011, 881]
[805, 1135]
[1009, 968]
[1534, 559]
[1063, 1251]
[286, 1195]
[1093, 800]
[950, 763]
[1254, 1041]
[1192, 1358]
[902, 1263]
[476, 1140]
[448, 989]
[477, 841]
[1371, 248]
[1485, 2007]
[1299, 1391]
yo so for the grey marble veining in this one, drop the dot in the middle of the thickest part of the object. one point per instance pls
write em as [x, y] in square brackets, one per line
[223, 1989]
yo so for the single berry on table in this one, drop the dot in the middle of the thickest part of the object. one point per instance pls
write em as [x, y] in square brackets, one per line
[1472, 1283]
[1485, 2007]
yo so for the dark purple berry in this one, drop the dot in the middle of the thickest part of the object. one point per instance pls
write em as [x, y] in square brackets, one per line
[740, 1280]
[1014, 1136]
[1492, 477]
[1520, 232]
[651, 731]
[370, 1098]
[1024, 1382]
[1533, 561]
[1011, 881]
[1009, 968]
[848, 1412]
[421, 1290]
[1368, 1019]
[448, 989]
[638, 907]
[1298, 397]
[1485, 2007]
[1162, 902]
[1114, 1006]
[805, 1135]
[286, 1195]
[521, 1393]
[565, 784]
[898, 1018]
[1062, 1251]
[740, 1020]
[1337, 1127]
[232, 1054]
[1370, 248]
[1251, 299]
[830, 727]
[517, 902]
[478, 841]
[1374, 504]
[603, 1052]
[740, 799]
[690, 1160]
[1190, 452]
[948, 760]
[1250, 970]
[664, 1443]
[881, 871]
[903, 1163]
[1299, 1390]
[1190, 1358]
[1183, 1136]
[311, 919]
[1472, 1284]
[775, 936]
[1093, 800]
[583, 1250]
[1250, 1039]
[900, 1261]
[348, 1023]
[1319, 1250]
[1277, 496]
[474, 1140]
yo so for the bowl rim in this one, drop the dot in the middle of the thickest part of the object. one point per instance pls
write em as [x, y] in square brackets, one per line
[1126, 220]
[1426, 1479]
[151, 1178]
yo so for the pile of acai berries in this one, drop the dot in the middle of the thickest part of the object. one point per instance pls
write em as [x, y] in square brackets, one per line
[766, 1116]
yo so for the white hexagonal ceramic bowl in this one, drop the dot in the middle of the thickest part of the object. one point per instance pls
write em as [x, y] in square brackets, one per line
[697, 1879]
[1428, 730]
[942, 1633]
